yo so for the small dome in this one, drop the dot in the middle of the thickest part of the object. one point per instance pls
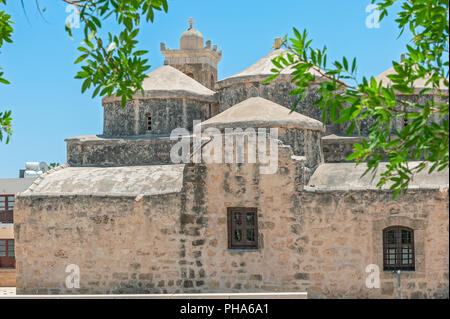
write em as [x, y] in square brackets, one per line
[167, 78]
[191, 39]
[258, 112]
[168, 82]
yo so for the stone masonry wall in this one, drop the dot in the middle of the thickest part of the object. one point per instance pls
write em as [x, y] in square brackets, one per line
[277, 92]
[398, 122]
[118, 121]
[121, 245]
[319, 241]
[158, 244]
[341, 233]
[306, 143]
[336, 149]
[119, 151]
[201, 72]
[139, 150]
[166, 115]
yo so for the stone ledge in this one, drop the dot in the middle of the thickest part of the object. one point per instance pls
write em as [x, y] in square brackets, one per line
[160, 94]
[225, 83]
[96, 195]
[102, 139]
[322, 189]
[333, 139]
[270, 295]
[7, 270]
[102, 151]
[192, 55]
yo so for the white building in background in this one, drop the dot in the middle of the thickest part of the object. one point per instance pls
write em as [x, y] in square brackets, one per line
[9, 187]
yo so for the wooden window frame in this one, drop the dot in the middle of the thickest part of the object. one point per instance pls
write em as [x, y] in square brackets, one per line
[245, 244]
[8, 261]
[398, 246]
[6, 215]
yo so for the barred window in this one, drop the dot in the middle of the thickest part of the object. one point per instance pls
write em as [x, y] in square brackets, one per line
[398, 248]
[6, 208]
[7, 254]
[149, 121]
[242, 228]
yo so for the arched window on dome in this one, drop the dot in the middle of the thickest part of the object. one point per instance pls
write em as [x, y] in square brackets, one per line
[148, 117]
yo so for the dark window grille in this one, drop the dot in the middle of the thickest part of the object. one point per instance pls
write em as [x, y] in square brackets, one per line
[7, 253]
[149, 122]
[398, 248]
[6, 208]
[242, 228]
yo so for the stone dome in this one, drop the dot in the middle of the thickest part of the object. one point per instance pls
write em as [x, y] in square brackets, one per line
[168, 82]
[168, 79]
[191, 39]
[258, 112]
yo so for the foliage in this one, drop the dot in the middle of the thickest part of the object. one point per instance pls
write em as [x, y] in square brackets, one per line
[426, 58]
[5, 36]
[113, 65]
[110, 64]
[53, 165]
[5, 125]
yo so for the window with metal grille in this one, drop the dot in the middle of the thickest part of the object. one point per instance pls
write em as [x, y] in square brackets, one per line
[7, 254]
[149, 121]
[6, 208]
[242, 228]
[398, 248]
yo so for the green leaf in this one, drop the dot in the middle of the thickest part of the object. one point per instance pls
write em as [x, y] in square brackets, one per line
[81, 58]
[270, 78]
[344, 60]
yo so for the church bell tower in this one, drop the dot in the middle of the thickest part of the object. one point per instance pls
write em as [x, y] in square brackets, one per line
[193, 58]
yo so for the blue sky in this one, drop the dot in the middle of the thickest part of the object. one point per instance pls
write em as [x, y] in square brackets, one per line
[46, 100]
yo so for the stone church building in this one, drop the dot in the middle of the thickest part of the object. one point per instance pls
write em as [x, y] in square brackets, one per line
[135, 221]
